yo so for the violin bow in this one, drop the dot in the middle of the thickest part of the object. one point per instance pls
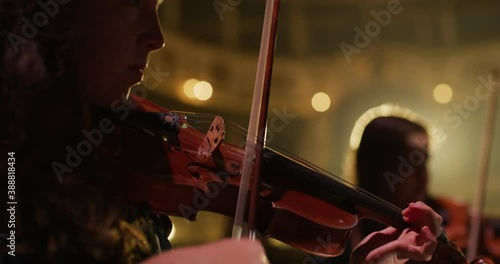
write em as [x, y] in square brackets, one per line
[257, 124]
[484, 163]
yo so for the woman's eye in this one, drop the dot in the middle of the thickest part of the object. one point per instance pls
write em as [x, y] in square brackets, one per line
[137, 3]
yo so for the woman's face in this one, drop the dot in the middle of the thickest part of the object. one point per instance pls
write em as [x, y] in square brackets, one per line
[413, 168]
[114, 38]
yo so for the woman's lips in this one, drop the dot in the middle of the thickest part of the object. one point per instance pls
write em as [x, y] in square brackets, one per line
[136, 69]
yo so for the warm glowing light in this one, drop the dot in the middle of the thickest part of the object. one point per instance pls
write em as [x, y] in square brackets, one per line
[443, 93]
[320, 102]
[381, 110]
[172, 233]
[189, 88]
[203, 91]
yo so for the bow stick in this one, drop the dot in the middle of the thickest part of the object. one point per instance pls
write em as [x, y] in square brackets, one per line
[483, 168]
[257, 123]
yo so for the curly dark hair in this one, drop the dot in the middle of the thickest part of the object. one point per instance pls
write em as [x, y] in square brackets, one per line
[58, 222]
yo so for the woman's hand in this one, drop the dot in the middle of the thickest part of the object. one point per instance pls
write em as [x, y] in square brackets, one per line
[224, 251]
[393, 246]
[419, 214]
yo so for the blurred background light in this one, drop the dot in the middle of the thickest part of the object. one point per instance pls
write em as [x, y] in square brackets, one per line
[321, 102]
[172, 233]
[189, 88]
[443, 93]
[203, 91]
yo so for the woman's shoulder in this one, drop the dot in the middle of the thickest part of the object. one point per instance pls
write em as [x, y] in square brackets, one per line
[80, 225]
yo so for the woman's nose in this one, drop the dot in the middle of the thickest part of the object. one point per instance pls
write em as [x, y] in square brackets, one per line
[152, 38]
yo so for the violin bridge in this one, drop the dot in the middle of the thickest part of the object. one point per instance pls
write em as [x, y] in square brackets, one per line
[213, 138]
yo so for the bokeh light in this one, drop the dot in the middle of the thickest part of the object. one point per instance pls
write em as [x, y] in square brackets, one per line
[203, 91]
[443, 93]
[189, 88]
[320, 102]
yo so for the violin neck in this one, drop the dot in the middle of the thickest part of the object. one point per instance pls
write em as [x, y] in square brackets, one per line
[313, 181]
[323, 185]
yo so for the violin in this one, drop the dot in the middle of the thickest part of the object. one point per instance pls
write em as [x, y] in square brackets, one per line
[492, 237]
[456, 221]
[178, 170]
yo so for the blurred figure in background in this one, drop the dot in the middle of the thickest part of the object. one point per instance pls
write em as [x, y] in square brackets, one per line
[390, 162]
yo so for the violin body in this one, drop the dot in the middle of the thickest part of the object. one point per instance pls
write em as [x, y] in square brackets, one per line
[492, 238]
[455, 218]
[456, 223]
[164, 169]
[163, 161]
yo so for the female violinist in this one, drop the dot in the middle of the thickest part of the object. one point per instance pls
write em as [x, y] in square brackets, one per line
[59, 58]
[391, 162]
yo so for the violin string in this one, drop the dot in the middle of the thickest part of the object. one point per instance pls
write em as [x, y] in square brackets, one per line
[207, 119]
[333, 176]
[195, 120]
